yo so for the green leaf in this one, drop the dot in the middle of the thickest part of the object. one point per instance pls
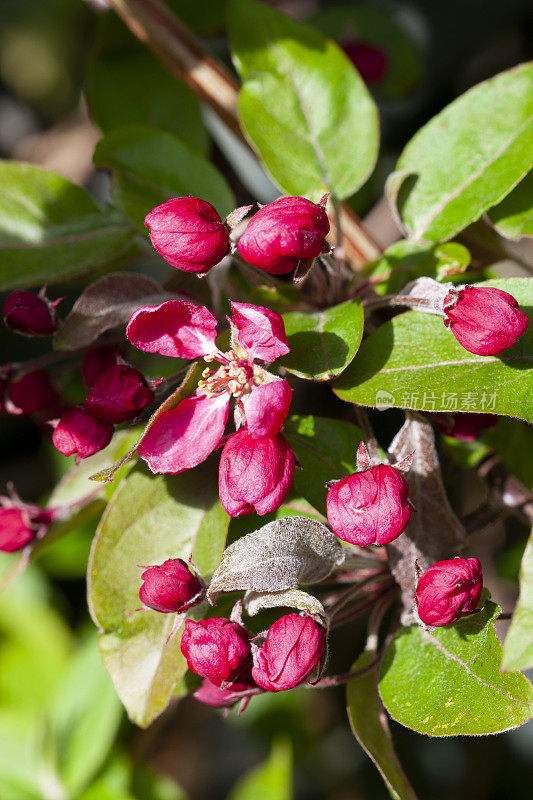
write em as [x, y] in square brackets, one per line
[79, 728]
[513, 217]
[413, 361]
[303, 105]
[448, 683]
[128, 86]
[369, 724]
[53, 231]
[323, 342]
[405, 261]
[468, 157]
[151, 166]
[518, 647]
[326, 449]
[149, 519]
[271, 780]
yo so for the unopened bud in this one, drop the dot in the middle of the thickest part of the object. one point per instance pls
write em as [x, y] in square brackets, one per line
[170, 587]
[189, 233]
[216, 648]
[369, 507]
[118, 394]
[292, 650]
[29, 314]
[80, 432]
[484, 320]
[283, 233]
[449, 590]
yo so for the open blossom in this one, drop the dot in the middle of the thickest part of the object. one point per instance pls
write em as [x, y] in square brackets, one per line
[449, 590]
[369, 507]
[189, 233]
[80, 432]
[183, 437]
[170, 587]
[216, 648]
[255, 474]
[283, 233]
[292, 650]
[484, 320]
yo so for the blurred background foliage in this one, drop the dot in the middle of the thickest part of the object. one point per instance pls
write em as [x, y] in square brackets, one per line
[63, 733]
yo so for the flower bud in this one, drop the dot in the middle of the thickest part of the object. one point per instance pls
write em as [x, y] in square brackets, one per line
[465, 427]
[216, 648]
[370, 61]
[21, 523]
[188, 233]
[449, 590]
[80, 432]
[369, 507]
[118, 394]
[292, 650]
[97, 360]
[170, 587]
[484, 320]
[29, 314]
[217, 696]
[284, 232]
[255, 474]
[32, 393]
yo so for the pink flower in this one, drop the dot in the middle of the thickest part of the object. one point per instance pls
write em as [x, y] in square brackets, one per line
[183, 437]
[33, 393]
[30, 314]
[449, 590]
[255, 474]
[118, 394]
[21, 523]
[175, 328]
[216, 648]
[188, 233]
[484, 320]
[369, 507]
[171, 587]
[78, 431]
[283, 233]
[292, 650]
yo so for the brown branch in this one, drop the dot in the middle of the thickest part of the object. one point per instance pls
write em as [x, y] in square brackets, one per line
[183, 56]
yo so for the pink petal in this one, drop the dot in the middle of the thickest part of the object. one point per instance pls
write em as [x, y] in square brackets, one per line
[260, 331]
[185, 436]
[174, 328]
[266, 408]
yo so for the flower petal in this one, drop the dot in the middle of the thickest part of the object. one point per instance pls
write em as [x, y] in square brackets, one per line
[174, 328]
[185, 436]
[260, 331]
[266, 408]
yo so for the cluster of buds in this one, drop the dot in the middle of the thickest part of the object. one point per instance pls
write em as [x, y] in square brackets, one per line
[22, 523]
[370, 506]
[191, 236]
[116, 393]
[484, 320]
[257, 464]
